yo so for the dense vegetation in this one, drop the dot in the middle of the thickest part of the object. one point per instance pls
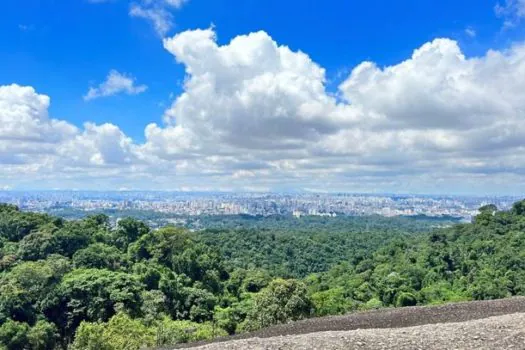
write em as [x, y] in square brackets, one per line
[294, 248]
[85, 284]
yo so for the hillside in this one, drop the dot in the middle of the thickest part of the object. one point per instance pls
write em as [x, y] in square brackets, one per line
[494, 333]
[85, 284]
[457, 324]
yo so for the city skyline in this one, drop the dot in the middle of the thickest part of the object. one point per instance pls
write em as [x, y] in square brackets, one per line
[264, 204]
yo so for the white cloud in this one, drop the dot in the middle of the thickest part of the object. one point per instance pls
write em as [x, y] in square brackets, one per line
[259, 103]
[175, 3]
[158, 12]
[161, 19]
[254, 113]
[24, 117]
[251, 93]
[471, 32]
[512, 12]
[440, 88]
[115, 83]
[98, 145]
[33, 145]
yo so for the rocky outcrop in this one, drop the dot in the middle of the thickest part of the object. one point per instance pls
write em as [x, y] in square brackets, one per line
[495, 324]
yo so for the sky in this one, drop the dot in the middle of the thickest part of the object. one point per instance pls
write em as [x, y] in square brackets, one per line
[416, 96]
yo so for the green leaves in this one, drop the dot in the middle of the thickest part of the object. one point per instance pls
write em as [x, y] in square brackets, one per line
[14, 335]
[128, 231]
[127, 287]
[99, 256]
[42, 336]
[280, 302]
[93, 295]
[36, 281]
[124, 333]
[171, 332]
[121, 332]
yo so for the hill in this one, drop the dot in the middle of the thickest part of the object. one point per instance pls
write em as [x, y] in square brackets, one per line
[85, 284]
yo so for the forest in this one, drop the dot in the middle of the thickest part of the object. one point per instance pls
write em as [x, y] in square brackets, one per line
[90, 284]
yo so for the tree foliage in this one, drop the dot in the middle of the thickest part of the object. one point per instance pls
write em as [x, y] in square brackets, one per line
[85, 284]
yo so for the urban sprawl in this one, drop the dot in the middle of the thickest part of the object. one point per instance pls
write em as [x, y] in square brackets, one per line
[301, 204]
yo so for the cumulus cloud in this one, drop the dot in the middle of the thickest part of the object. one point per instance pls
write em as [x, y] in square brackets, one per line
[33, 145]
[438, 87]
[251, 93]
[98, 145]
[259, 102]
[24, 117]
[254, 113]
[115, 83]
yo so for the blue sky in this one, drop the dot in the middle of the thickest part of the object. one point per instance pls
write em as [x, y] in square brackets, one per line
[68, 44]
[61, 48]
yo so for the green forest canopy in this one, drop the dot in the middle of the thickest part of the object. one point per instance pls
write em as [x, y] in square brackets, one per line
[84, 284]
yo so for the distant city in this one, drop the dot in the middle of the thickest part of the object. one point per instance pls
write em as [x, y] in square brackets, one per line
[265, 204]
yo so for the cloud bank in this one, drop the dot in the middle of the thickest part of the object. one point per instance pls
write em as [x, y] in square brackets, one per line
[255, 114]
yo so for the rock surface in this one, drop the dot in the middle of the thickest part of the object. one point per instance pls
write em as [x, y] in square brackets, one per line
[498, 332]
[498, 324]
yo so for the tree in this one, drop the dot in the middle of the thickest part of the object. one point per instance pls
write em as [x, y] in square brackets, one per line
[201, 263]
[90, 336]
[13, 335]
[97, 221]
[373, 303]
[160, 245]
[490, 208]
[518, 208]
[171, 332]
[42, 336]
[38, 278]
[8, 208]
[15, 303]
[251, 281]
[198, 304]
[280, 302]
[36, 246]
[93, 295]
[228, 318]
[485, 215]
[70, 238]
[15, 225]
[154, 306]
[120, 333]
[406, 299]
[331, 302]
[487, 285]
[98, 256]
[128, 230]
